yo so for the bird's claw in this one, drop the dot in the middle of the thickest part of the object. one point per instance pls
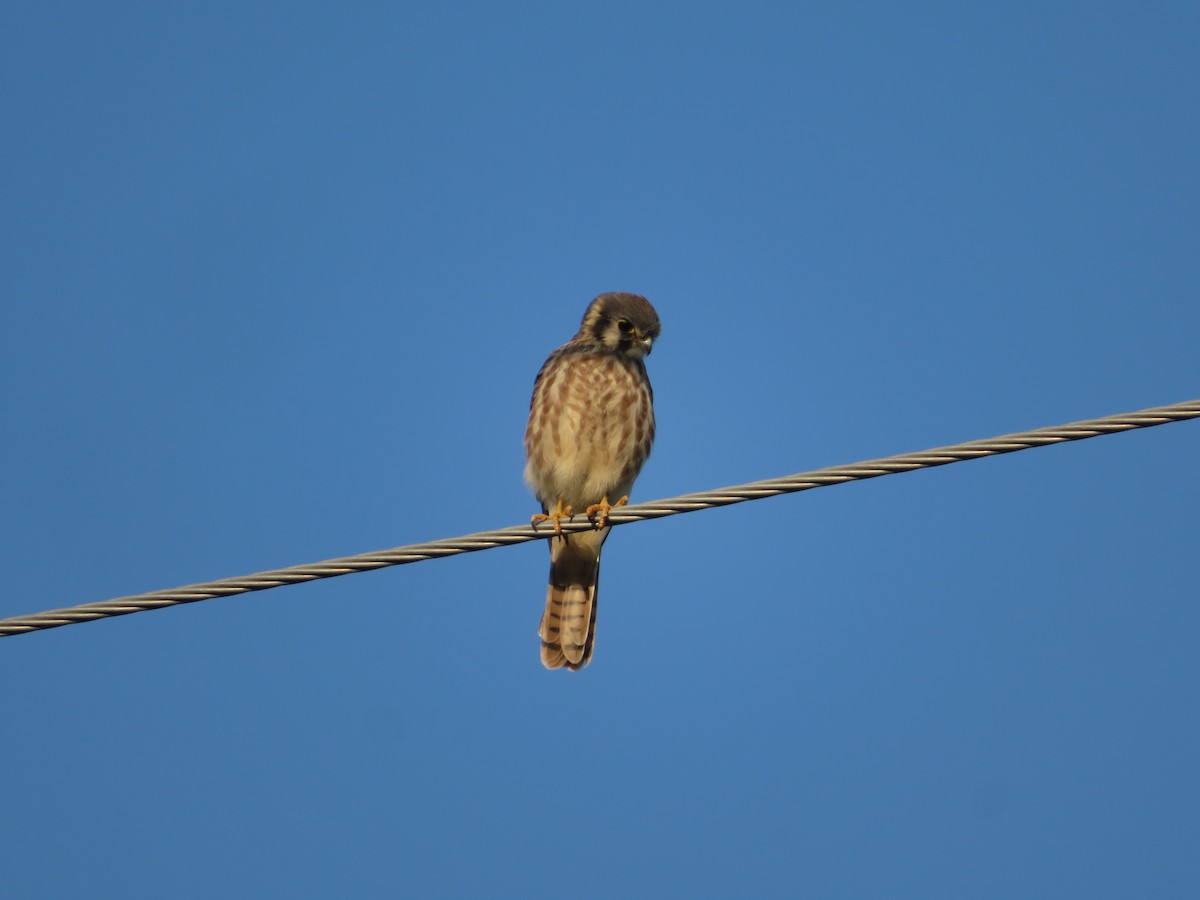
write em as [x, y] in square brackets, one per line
[599, 511]
[561, 511]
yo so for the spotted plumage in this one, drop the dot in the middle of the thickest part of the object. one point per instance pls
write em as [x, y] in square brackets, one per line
[591, 425]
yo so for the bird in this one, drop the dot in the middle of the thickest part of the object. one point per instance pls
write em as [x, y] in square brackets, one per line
[590, 429]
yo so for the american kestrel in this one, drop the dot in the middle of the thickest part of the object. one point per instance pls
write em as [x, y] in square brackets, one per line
[591, 424]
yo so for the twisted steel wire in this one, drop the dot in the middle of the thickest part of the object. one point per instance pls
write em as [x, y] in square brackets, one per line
[486, 540]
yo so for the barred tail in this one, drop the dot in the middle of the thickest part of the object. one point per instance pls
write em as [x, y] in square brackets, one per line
[568, 627]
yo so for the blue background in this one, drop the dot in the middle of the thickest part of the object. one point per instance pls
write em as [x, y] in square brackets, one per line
[276, 280]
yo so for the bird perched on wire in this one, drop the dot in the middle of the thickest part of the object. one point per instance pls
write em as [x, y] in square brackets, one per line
[591, 424]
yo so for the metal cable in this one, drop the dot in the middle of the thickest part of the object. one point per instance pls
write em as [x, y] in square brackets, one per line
[486, 540]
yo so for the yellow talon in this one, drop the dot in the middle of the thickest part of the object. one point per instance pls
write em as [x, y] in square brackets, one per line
[599, 511]
[561, 512]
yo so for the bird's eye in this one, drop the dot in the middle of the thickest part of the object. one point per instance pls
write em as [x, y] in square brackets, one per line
[625, 325]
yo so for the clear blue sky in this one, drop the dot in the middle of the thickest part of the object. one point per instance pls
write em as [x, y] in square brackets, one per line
[276, 280]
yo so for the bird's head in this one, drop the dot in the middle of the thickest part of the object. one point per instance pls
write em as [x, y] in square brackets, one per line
[623, 323]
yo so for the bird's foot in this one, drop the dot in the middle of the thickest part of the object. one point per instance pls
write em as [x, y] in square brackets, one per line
[599, 511]
[561, 511]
